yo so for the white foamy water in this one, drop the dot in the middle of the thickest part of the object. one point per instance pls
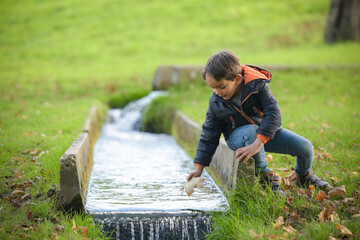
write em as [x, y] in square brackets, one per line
[143, 172]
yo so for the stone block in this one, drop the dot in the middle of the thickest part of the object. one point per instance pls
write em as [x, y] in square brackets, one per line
[167, 76]
[75, 167]
[186, 129]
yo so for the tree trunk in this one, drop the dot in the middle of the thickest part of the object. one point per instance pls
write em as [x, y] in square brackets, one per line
[343, 21]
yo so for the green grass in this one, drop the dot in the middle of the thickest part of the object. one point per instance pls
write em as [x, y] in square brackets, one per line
[60, 58]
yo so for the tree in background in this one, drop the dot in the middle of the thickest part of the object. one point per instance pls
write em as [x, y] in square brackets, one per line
[343, 21]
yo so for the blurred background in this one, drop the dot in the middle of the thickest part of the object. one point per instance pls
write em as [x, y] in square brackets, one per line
[74, 45]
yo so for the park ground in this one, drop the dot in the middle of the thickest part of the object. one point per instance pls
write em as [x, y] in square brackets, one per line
[60, 58]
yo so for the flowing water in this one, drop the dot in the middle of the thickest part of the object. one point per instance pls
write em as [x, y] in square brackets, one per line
[134, 188]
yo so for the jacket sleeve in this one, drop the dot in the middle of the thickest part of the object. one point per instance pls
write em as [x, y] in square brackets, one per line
[271, 120]
[209, 139]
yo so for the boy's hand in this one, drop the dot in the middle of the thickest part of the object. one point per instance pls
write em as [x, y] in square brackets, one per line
[247, 152]
[197, 173]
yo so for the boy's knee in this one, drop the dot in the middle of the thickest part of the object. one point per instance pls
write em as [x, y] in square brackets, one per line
[307, 148]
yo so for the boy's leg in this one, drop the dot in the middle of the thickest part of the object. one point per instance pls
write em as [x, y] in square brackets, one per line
[244, 136]
[287, 142]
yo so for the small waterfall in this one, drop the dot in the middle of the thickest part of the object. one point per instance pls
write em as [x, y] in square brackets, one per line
[162, 228]
[134, 187]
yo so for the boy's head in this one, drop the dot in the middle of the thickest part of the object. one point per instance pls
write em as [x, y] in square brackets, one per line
[222, 73]
[222, 65]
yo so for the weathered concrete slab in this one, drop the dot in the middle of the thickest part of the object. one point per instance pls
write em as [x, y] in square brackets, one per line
[167, 76]
[74, 172]
[224, 168]
[76, 164]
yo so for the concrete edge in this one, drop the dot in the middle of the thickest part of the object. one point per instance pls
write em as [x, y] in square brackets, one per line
[76, 164]
[224, 168]
[169, 75]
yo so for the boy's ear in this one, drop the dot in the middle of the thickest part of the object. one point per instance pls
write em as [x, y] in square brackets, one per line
[238, 78]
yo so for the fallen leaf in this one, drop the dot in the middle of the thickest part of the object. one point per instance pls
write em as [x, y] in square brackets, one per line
[289, 200]
[311, 188]
[356, 216]
[17, 191]
[325, 125]
[348, 201]
[343, 230]
[189, 186]
[289, 229]
[321, 216]
[34, 151]
[253, 234]
[59, 228]
[294, 218]
[334, 217]
[84, 230]
[74, 225]
[29, 215]
[353, 174]
[291, 126]
[279, 221]
[321, 195]
[338, 191]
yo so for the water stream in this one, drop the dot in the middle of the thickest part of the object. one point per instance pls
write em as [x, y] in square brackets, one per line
[134, 188]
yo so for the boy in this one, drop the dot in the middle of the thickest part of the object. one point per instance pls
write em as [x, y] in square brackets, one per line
[244, 110]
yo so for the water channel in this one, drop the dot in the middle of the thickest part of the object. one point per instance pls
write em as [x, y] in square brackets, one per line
[134, 188]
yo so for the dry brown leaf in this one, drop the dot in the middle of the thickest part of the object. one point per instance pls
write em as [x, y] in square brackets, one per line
[34, 151]
[59, 228]
[353, 174]
[343, 230]
[337, 191]
[289, 200]
[321, 195]
[189, 186]
[334, 217]
[289, 229]
[253, 234]
[294, 218]
[348, 201]
[291, 126]
[84, 230]
[17, 191]
[74, 225]
[321, 216]
[279, 221]
[29, 215]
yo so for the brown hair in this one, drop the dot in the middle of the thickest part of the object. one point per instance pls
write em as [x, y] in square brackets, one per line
[224, 64]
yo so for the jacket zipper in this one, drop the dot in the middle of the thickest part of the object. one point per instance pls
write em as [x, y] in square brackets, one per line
[233, 123]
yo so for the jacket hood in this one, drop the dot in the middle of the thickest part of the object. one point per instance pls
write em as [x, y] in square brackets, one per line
[251, 73]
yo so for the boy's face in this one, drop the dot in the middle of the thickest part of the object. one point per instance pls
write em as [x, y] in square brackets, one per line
[224, 88]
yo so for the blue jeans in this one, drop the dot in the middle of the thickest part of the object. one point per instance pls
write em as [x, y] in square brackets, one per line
[284, 142]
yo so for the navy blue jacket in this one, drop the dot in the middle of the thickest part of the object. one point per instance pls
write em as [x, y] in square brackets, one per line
[258, 107]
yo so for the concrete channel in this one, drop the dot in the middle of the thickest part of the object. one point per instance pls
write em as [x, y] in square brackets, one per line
[76, 166]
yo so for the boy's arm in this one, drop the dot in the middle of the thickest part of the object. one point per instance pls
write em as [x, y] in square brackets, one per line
[209, 139]
[271, 120]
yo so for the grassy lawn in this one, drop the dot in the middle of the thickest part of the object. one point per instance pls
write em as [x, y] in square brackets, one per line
[60, 58]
